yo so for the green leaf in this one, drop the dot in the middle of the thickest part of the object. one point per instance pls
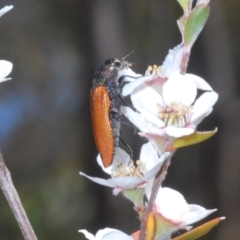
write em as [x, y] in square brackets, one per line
[135, 196]
[199, 2]
[194, 138]
[181, 24]
[199, 231]
[185, 4]
[195, 23]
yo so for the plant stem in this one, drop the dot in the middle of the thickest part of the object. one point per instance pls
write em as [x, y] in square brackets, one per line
[14, 202]
[185, 59]
[156, 185]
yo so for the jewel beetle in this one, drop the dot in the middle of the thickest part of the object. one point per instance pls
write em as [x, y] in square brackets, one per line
[106, 101]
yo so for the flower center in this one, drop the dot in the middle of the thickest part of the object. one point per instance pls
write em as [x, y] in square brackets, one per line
[176, 114]
[130, 169]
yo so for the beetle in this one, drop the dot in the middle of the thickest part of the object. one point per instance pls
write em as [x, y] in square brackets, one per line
[106, 101]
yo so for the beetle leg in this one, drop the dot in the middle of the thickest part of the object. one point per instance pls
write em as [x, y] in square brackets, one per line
[125, 103]
[127, 147]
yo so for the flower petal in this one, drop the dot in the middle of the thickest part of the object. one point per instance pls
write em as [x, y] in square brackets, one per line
[137, 119]
[128, 74]
[110, 233]
[87, 234]
[5, 10]
[5, 69]
[179, 88]
[172, 61]
[178, 132]
[171, 204]
[101, 181]
[120, 157]
[130, 87]
[152, 173]
[125, 182]
[203, 107]
[148, 156]
[200, 82]
[197, 213]
[150, 117]
[106, 234]
[158, 140]
[147, 98]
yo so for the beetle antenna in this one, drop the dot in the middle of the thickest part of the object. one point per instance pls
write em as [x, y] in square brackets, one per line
[128, 54]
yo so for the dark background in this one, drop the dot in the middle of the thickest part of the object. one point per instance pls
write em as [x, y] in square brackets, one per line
[45, 124]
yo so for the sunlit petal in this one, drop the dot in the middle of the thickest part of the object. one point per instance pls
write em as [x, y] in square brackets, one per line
[179, 88]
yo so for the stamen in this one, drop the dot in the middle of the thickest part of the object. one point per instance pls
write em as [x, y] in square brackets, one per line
[176, 114]
[129, 170]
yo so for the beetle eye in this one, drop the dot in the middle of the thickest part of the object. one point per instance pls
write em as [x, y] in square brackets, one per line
[117, 64]
[108, 61]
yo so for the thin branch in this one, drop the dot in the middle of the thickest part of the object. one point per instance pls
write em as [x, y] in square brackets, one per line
[185, 59]
[14, 201]
[156, 185]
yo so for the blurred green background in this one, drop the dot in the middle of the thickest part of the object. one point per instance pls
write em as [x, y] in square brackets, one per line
[45, 123]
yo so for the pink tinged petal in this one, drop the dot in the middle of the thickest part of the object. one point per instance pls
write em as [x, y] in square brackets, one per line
[200, 82]
[159, 141]
[179, 88]
[196, 214]
[203, 107]
[130, 87]
[5, 10]
[135, 235]
[5, 69]
[171, 204]
[147, 98]
[178, 132]
[172, 61]
[157, 84]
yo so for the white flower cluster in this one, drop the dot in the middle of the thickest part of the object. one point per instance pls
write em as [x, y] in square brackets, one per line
[168, 105]
[167, 110]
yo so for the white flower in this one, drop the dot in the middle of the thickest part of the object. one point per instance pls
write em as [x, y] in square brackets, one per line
[172, 206]
[5, 70]
[172, 62]
[172, 211]
[125, 175]
[173, 112]
[107, 234]
[156, 77]
[5, 10]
